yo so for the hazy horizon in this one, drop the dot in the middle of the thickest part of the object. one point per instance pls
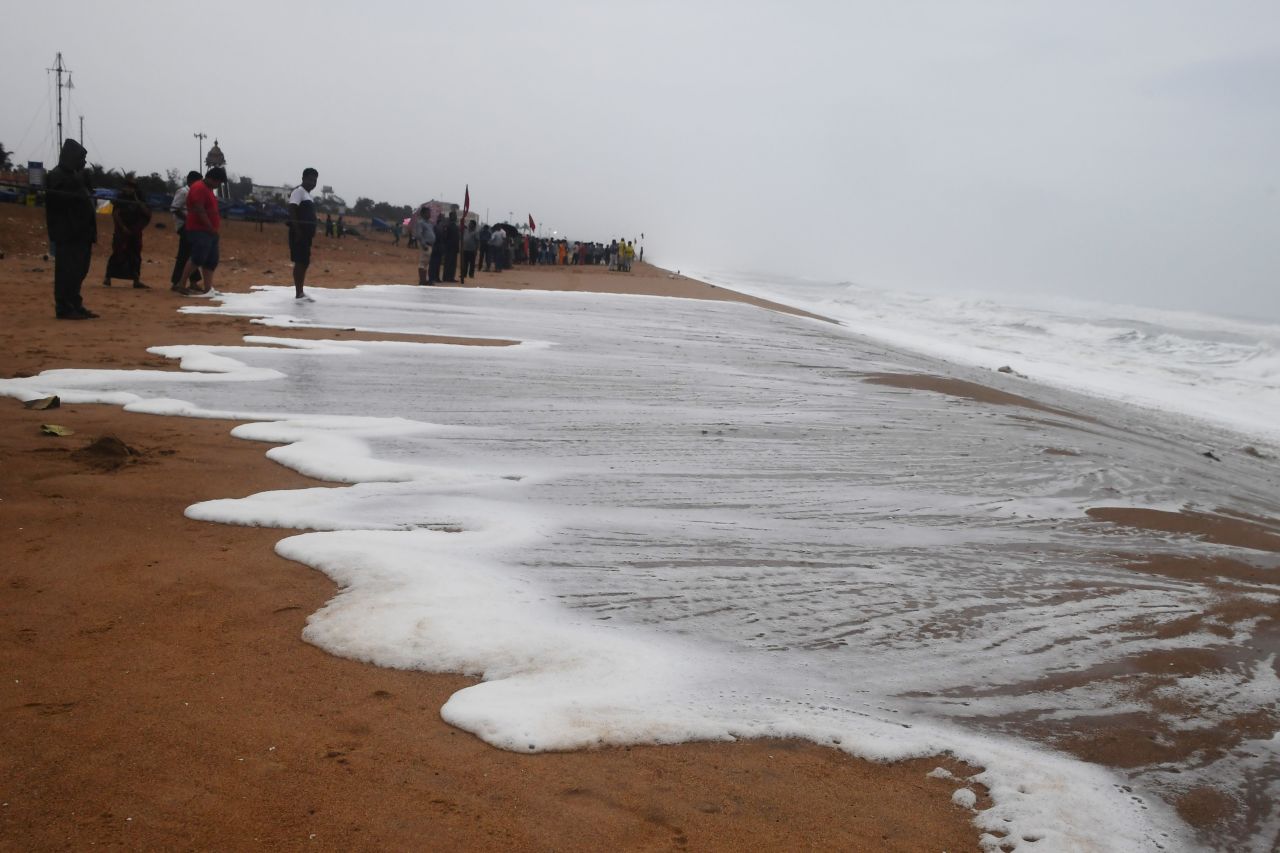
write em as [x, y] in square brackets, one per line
[1111, 153]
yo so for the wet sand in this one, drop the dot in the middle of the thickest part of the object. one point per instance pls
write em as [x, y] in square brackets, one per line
[156, 690]
[158, 694]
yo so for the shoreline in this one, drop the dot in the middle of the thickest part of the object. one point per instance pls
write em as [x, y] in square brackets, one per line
[162, 693]
[177, 453]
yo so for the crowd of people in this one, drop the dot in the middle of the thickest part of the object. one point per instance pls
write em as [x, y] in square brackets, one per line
[442, 241]
[448, 250]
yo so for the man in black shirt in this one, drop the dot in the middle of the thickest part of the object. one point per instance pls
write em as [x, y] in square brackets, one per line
[302, 229]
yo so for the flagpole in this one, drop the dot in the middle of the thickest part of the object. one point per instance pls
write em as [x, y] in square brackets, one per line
[462, 233]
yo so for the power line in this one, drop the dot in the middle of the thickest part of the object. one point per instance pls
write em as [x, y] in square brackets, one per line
[30, 124]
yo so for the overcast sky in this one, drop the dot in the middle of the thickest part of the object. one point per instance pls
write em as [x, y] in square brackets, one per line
[1115, 151]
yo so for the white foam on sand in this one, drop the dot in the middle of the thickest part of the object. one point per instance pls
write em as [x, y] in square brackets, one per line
[676, 520]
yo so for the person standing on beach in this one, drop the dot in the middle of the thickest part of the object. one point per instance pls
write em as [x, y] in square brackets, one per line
[437, 251]
[425, 234]
[485, 233]
[178, 207]
[302, 229]
[328, 225]
[130, 217]
[470, 244]
[452, 241]
[338, 227]
[73, 229]
[498, 248]
[203, 226]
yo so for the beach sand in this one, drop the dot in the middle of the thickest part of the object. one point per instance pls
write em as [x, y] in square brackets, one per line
[156, 693]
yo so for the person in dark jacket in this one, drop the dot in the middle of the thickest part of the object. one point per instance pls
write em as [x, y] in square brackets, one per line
[437, 251]
[452, 242]
[130, 216]
[485, 254]
[73, 229]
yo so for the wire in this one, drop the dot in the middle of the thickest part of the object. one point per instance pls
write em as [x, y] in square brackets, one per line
[93, 146]
[30, 124]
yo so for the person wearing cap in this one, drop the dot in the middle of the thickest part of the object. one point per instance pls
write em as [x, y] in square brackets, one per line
[130, 217]
[203, 226]
[178, 207]
[302, 229]
[73, 229]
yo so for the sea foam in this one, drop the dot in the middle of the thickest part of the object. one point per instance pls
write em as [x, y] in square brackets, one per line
[673, 520]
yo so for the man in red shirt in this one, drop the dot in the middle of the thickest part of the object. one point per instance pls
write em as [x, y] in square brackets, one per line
[203, 225]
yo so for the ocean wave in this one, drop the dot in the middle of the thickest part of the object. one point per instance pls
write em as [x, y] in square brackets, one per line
[1220, 370]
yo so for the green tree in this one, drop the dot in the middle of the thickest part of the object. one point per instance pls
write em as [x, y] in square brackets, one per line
[390, 212]
[364, 206]
[103, 178]
[6, 157]
[153, 183]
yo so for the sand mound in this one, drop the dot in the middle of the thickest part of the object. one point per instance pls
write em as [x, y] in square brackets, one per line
[107, 452]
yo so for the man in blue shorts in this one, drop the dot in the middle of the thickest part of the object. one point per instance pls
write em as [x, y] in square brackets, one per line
[203, 226]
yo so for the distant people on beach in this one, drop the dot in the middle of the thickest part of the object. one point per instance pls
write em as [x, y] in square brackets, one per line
[328, 225]
[302, 229]
[338, 227]
[425, 233]
[129, 216]
[204, 225]
[178, 207]
[395, 233]
[73, 229]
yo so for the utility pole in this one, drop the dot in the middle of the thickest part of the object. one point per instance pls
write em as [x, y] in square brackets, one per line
[201, 137]
[82, 130]
[59, 68]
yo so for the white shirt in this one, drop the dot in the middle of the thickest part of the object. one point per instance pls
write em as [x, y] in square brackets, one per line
[299, 195]
[178, 207]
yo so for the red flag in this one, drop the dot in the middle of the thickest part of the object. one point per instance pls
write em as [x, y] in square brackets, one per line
[466, 204]
[532, 225]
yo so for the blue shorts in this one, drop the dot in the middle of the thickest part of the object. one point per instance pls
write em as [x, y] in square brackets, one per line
[204, 249]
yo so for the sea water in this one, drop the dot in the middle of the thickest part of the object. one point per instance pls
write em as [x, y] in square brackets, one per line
[1221, 369]
[656, 520]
